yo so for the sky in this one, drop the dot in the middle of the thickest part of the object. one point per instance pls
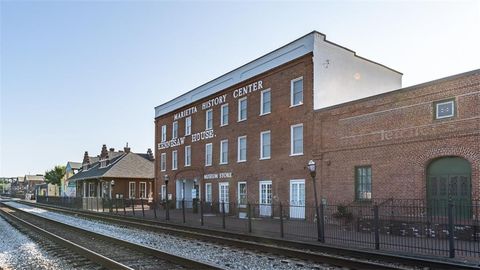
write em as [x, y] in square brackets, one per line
[78, 74]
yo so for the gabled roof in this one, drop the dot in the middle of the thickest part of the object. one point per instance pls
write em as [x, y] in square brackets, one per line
[121, 165]
[34, 178]
[75, 165]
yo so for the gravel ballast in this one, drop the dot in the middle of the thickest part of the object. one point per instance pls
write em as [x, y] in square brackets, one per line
[222, 255]
[18, 251]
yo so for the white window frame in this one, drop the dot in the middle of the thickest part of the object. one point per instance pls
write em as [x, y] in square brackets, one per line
[262, 157]
[175, 130]
[188, 155]
[221, 152]
[140, 190]
[291, 92]
[292, 127]
[163, 162]
[207, 112]
[174, 159]
[222, 119]
[207, 162]
[238, 194]
[443, 103]
[164, 133]
[238, 149]
[261, 102]
[208, 196]
[188, 126]
[239, 114]
[130, 189]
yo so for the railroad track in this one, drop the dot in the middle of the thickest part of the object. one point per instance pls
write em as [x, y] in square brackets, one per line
[352, 259]
[108, 252]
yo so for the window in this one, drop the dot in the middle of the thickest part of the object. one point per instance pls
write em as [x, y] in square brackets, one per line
[296, 135]
[208, 154]
[91, 187]
[297, 92]
[131, 190]
[209, 119]
[444, 109]
[163, 162]
[164, 133]
[242, 109]
[208, 192]
[265, 102]
[174, 159]
[224, 115]
[175, 130]
[224, 152]
[143, 190]
[188, 126]
[363, 183]
[242, 149]
[242, 194]
[103, 163]
[188, 155]
[265, 145]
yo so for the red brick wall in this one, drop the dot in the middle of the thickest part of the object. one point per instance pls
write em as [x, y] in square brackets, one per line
[281, 168]
[397, 135]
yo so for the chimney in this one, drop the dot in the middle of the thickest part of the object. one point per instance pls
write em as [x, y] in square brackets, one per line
[104, 153]
[126, 149]
[111, 149]
[86, 158]
[150, 154]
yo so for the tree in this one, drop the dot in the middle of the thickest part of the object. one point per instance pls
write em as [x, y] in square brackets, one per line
[55, 175]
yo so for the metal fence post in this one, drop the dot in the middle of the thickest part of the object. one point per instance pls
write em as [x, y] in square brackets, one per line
[167, 213]
[103, 205]
[223, 214]
[183, 210]
[322, 222]
[133, 206]
[116, 205]
[154, 209]
[124, 207]
[143, 208]
[281, 220]
[97, 203]
[451, 236]
[201, 213]
[376, 224]
[249, 213]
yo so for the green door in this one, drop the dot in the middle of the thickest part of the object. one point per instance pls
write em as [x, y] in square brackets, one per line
[449, 178]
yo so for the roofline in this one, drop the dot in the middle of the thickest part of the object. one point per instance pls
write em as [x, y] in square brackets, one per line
[409, 88]
[178, 99]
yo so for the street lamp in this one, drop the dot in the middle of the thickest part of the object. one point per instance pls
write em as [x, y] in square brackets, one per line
[167, 213]
[313, 172]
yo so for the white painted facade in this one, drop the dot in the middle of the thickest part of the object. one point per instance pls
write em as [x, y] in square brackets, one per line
[340, 76]
[344, 77]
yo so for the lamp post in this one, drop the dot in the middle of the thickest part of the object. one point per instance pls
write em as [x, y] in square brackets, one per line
[112, 184]
[167, 213]
[313, 172]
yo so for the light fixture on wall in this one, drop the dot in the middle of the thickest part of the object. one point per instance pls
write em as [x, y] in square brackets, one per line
[326, 63]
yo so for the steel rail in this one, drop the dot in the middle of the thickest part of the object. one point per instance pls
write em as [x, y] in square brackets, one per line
[89, 254]
[252, 240]
[189, 263]
[297, 250]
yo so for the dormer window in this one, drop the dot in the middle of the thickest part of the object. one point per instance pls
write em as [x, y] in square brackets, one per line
[103, 163]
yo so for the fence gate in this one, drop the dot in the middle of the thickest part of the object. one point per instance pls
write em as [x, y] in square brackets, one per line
[449, 178]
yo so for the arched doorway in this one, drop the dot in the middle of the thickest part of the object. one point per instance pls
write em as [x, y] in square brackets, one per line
[449, 178]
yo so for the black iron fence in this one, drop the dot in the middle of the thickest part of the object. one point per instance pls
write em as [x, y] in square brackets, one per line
[443, 228]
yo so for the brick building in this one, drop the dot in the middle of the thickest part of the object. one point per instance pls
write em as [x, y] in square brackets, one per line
[115, 174]
[248, 135]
